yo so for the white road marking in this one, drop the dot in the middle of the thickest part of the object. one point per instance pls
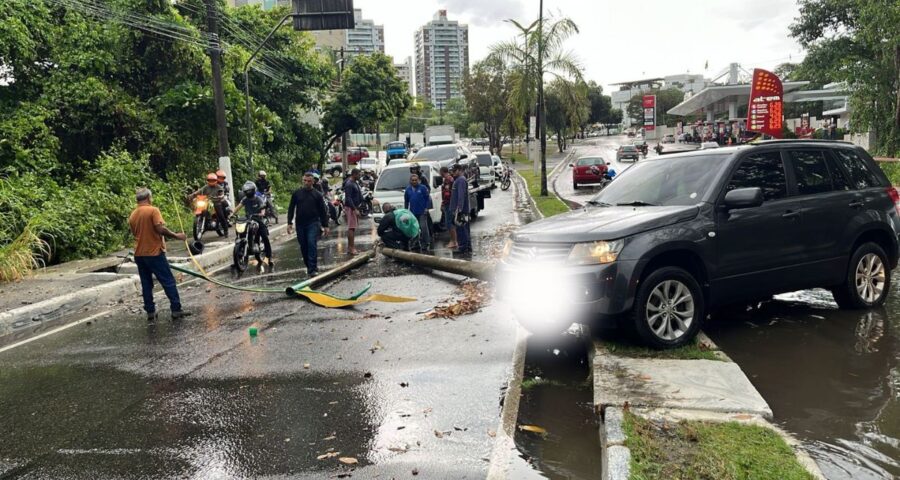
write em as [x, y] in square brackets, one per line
[55, 330]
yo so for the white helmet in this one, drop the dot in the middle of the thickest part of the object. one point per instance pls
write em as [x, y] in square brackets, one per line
[262, 173]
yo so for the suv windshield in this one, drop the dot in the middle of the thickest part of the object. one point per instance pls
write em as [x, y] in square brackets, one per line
[673, 181]
[436, 154]
[397, 179]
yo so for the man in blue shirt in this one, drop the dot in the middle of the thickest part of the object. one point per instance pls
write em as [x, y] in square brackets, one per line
[459, 203]
[352, 200]
[416, 200]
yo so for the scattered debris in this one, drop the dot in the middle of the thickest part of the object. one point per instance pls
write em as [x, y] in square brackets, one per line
[475, 294]
[328, 455]
[404, 384]
[532, 429]
[348, 460]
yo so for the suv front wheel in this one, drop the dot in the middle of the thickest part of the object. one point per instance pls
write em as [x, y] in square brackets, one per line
[868, 279]
[669, 308]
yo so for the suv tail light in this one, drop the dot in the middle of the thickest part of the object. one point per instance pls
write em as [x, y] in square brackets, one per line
[895, 197]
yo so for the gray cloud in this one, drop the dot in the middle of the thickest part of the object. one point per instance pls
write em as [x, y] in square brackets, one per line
[484, 12]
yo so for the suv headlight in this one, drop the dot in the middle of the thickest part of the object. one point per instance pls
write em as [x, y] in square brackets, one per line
[595, 253]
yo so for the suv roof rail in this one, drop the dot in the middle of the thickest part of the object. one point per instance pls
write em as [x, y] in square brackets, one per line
[798, 140]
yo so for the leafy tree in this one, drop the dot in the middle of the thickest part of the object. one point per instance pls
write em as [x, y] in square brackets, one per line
[568, 109]
[485, 88]
[857, 42]
[370, 93]
[666, 99]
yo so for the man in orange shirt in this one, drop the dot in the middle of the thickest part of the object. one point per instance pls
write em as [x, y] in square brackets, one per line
[148, 228]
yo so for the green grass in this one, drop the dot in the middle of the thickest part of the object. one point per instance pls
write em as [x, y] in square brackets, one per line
[892, 170]
[692, 351]
[517, 158]
[549, 205]
[706, 450]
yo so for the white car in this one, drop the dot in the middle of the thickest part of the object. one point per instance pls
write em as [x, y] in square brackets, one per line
[498, 166]
[485, 168]
[708, 145]
[370, 164]
[391, 187]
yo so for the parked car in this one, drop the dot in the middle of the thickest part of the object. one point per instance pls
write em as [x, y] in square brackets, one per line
[627, 151]
[708, 145]
[485, 168]
[668, 138]
[498, 166]
[674, 238]
[354, 155]
[396, 150]
[445, 155]
[391, 186]
[368, 164]
[588, 169]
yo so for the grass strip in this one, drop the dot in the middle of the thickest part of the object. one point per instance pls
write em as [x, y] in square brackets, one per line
[692, 450]
[892, 170]
[691, 351]
[550, 205]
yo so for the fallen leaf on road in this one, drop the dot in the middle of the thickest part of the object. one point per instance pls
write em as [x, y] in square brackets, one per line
[645, 377]
[328, 455]
[404, 384]
[415, 471]
[329, 438]
[438, 434]
[458, 429]
[348, 460]
[306, 366]
[532, 428]
[474, 295]
[492, 433]
[399, 449]
[368, 375]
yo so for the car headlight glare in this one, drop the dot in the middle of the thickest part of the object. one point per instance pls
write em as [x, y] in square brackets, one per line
[593, 253]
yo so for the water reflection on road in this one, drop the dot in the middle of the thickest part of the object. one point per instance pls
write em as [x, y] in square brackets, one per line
[832, 377]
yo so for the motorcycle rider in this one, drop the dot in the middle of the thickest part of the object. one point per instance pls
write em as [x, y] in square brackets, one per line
[256, 207]
[264, 188]
[220, 176]
[215, 194]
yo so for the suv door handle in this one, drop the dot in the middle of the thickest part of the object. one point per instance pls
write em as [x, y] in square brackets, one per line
[856, 204]
[790, 215]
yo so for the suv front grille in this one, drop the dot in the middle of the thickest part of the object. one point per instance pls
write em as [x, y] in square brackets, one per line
[522, 253]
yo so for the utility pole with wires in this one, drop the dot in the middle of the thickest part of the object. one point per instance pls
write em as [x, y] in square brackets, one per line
[541, 121]
[215, 57]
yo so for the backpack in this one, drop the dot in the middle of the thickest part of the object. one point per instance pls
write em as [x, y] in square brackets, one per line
[406, 222]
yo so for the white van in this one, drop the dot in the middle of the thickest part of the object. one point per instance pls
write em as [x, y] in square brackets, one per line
[392, 183]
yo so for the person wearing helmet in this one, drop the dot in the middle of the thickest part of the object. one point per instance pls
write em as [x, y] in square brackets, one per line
[216, 194]
[262, 183]
[256, 208]
[220, 175]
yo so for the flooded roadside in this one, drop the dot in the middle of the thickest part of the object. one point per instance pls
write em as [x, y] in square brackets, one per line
[832, 377]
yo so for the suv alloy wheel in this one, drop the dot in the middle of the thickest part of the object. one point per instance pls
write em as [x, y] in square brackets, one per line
[669, 308]
[868, 280]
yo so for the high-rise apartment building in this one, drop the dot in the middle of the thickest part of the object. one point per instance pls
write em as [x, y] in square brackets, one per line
[442, 57]
[404, 71]
[366, 38]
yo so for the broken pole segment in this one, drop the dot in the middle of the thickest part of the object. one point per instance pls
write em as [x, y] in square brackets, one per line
[345, 267]
[479, 270]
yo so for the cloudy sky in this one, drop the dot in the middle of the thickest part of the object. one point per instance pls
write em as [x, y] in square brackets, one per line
[621, 40]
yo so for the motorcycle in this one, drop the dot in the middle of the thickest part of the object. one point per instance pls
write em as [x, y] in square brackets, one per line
[366, 207]
[205, 218]
[247, 243]
[271, 209]
[335, 206]
[505, 181]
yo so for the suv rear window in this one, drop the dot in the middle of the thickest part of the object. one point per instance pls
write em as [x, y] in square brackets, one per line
[860, 175]
[764, 170]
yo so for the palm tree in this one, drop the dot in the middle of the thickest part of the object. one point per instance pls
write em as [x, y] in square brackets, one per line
[537, 51]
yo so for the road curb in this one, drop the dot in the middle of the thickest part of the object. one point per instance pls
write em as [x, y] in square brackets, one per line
[23, 322]
[504, 439]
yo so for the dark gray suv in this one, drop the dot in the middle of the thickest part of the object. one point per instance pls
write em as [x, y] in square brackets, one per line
[676, 236]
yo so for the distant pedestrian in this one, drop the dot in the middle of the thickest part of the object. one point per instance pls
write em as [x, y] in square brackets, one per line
[149, 231]
[416, 199]
[352, 200]
[460, 208]
[307, 211]
[446, 192]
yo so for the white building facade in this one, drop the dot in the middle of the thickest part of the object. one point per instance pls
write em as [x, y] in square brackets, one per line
[405, 72]
[442, 58]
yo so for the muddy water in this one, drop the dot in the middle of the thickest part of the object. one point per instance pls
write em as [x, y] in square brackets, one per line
[556, 396]
[832, 377]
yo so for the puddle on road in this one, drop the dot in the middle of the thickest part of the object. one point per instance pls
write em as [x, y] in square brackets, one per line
[134, 427]
[557, 396]
[832, 377]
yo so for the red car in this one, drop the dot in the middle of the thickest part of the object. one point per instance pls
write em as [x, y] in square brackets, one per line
[354, 155]
[588, 170]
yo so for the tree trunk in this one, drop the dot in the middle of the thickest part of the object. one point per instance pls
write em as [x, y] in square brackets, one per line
[896, 81]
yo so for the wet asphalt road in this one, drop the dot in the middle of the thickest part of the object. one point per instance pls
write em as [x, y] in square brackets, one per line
[200, 398]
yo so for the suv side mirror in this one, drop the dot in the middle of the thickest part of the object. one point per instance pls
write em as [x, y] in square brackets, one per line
[463, 156]
[743, 198]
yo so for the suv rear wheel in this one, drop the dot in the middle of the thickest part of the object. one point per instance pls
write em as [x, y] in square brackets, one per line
[669, 308]
[868, 279]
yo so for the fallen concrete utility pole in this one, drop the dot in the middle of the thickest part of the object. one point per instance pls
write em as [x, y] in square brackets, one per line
[331, 274]
[480, 270]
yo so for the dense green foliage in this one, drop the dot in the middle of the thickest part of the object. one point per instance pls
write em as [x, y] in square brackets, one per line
[484, 88]
[666, 99]
[857, 42]
[91, 108]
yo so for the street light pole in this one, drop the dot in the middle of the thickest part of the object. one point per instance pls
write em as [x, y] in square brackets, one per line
[215, 58]
[247, 88]
[345, 164]
[540, 115]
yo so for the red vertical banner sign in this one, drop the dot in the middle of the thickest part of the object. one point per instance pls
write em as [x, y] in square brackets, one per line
[765, 112]
[649, 103]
